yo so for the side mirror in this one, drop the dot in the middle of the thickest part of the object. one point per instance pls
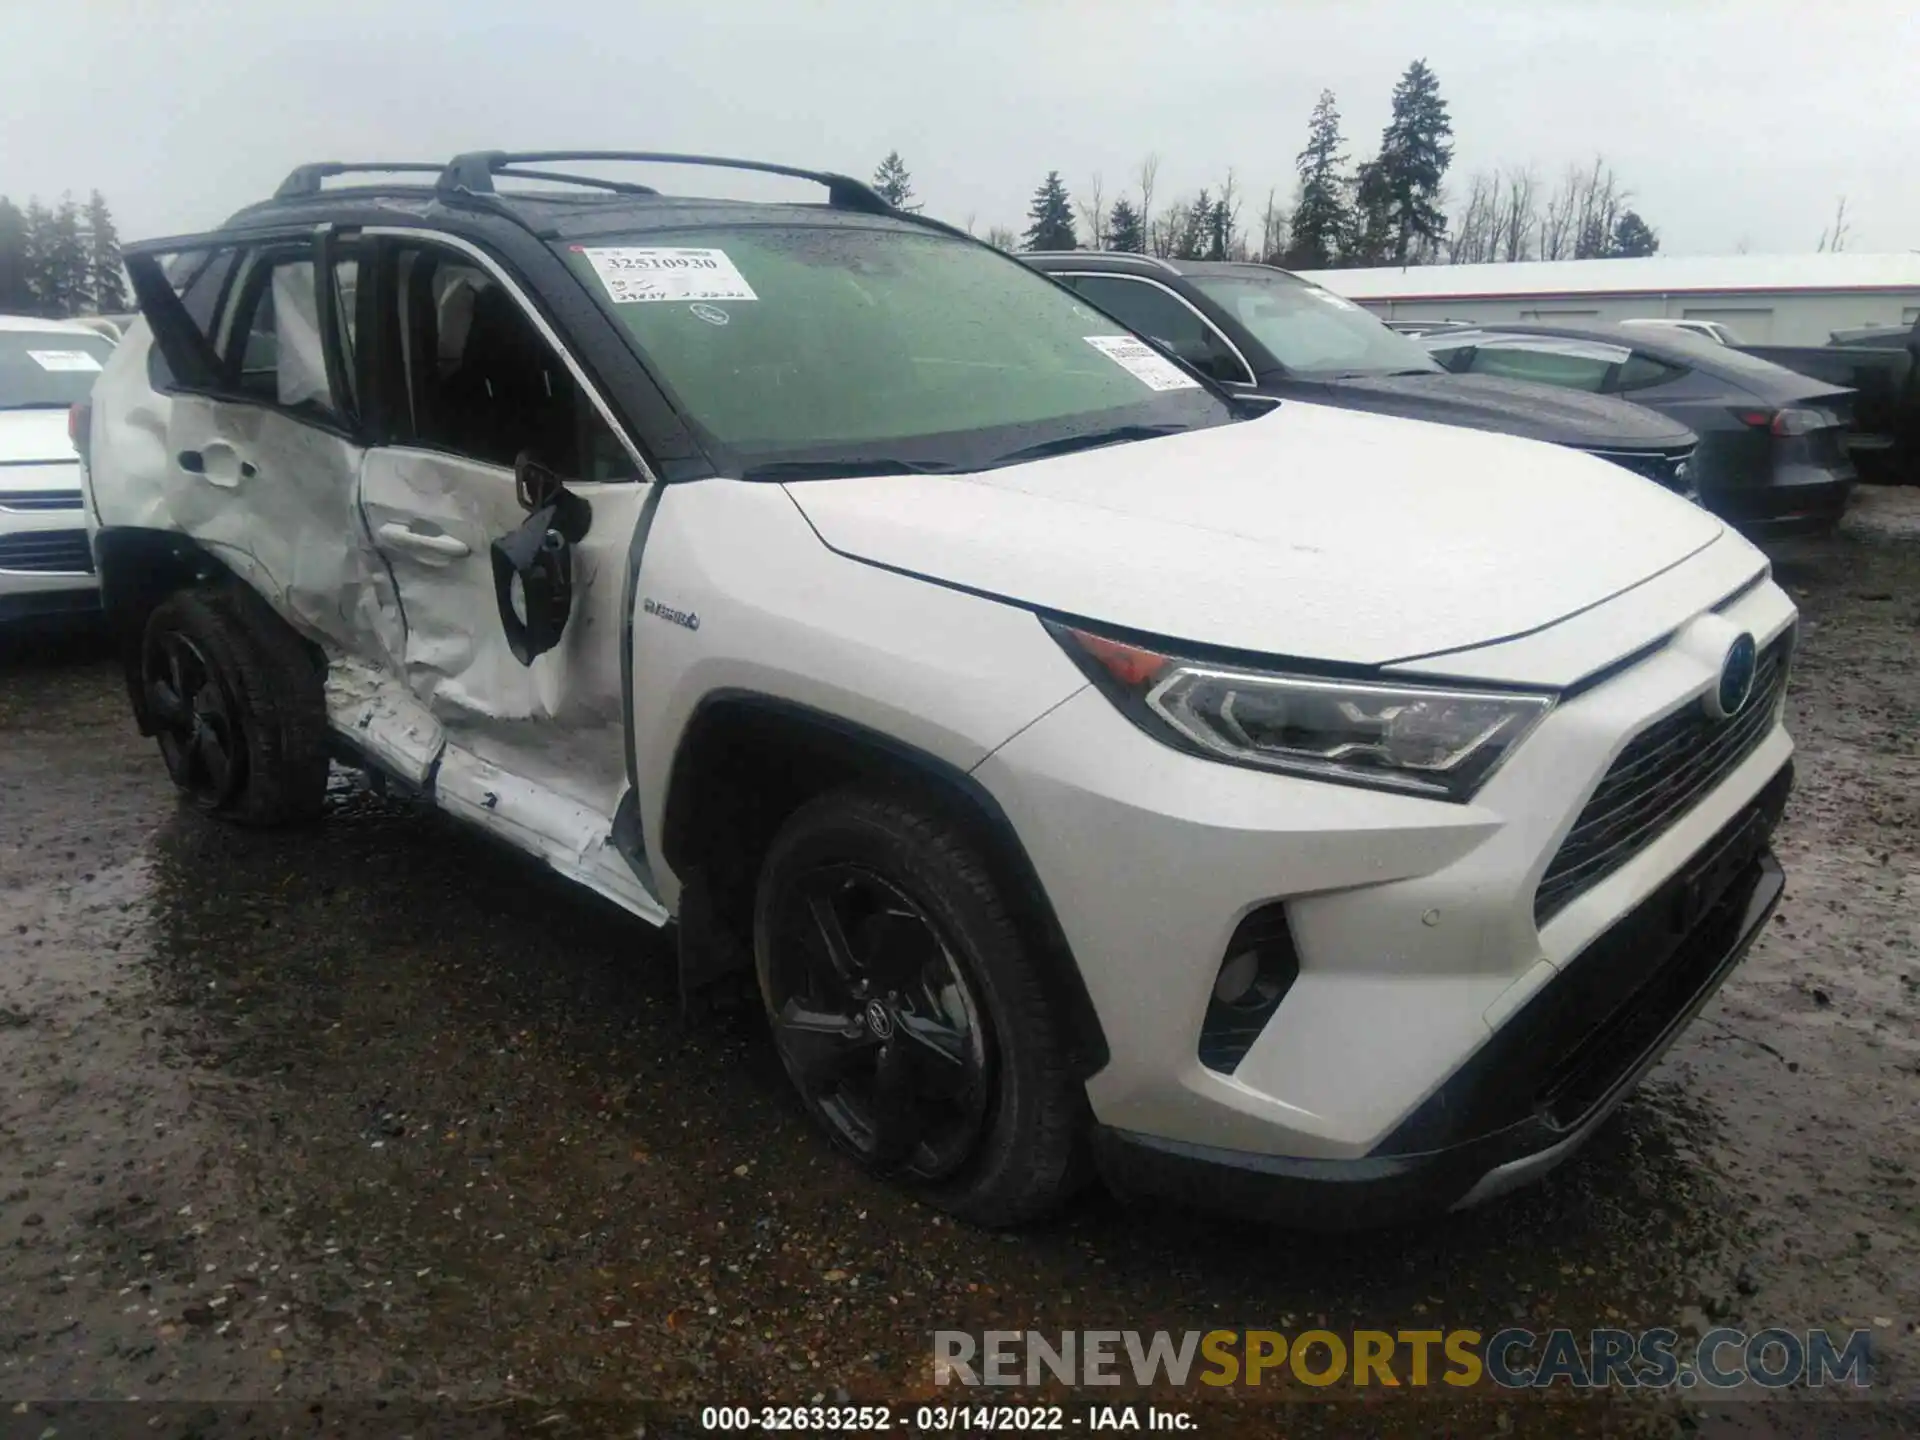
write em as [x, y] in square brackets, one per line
[533, 567]
[538, 486]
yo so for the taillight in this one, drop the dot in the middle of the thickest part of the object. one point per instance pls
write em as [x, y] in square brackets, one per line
[79, 420]
[1785, 422]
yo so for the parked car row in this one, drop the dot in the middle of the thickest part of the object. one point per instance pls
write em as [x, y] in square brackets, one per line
[1259, 329]
[1760, 445]
[1772, 455]
[1089, 760]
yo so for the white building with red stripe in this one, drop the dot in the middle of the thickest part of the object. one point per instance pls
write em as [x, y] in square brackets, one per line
[1762, 299]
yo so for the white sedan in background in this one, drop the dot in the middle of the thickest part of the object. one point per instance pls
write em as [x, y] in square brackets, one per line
[1707, 329]
[46, 368]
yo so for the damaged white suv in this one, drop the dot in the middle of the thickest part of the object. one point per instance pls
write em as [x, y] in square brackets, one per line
[1317, 814]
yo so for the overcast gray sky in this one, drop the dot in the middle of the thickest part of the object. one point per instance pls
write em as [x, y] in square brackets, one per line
[1731, 122]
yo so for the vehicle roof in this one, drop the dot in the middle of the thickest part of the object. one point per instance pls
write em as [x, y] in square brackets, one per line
[1646, 275]
[39, 323]
[1132, 261]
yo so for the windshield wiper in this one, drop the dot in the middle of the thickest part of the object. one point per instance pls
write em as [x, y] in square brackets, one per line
[843, 469]
[1092, 439]
[39, 405]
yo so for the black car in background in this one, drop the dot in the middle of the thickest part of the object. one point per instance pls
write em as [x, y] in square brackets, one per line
[1881, 365]
[1773, 454]
[1259, 329]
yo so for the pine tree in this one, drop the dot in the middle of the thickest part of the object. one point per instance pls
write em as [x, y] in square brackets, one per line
[37, 268]
[69, 262]
[1051, 215]
[16, 296]
[1124, 230]
[1401, 219]
[105, 277]
[894, 184]
[1369, 237]
[1633, 236]
[1323, 217]
[1193, 224]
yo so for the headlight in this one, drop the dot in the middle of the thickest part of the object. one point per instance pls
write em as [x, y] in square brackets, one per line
[1422, 740]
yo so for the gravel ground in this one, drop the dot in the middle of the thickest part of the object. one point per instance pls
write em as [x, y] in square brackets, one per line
[374, 1112]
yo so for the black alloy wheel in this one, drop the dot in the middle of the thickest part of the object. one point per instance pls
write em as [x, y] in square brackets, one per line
[194, 719]
[876, 1020]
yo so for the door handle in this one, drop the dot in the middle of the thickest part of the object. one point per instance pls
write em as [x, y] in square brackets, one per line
[421, 542]
[194, 462]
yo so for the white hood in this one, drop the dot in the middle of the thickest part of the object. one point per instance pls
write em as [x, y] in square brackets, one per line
[30, 439]
[1311, 532]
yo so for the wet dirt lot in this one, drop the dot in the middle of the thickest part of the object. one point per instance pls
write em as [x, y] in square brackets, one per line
[373, 1111]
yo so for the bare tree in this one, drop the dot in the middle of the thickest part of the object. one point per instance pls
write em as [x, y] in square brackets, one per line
[1227, 243]
[1001, 238]
[1834, 237]
[1273, 230]
[1518, 220]
[1472, 233]
[1149, 173]
[1583, 213]
[1093, 213]
[1558, 222]
[1168, 230]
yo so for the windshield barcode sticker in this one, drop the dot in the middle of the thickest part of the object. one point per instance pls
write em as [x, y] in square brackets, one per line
[63, 360]
[635, 275]
[1143, 362]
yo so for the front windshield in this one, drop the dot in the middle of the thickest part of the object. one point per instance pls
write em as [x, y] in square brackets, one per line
[49, 369]
[1312, 331]
[820, 344]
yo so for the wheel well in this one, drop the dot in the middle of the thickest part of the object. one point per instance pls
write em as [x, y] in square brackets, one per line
[745, 763]
[139, 568]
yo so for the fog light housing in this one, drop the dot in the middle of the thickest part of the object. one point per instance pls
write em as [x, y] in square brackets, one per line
[1255, 975]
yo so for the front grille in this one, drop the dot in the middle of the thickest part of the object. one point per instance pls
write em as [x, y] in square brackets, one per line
[47, 552]
[1670, 468]
[23, 500]
[1664, 771]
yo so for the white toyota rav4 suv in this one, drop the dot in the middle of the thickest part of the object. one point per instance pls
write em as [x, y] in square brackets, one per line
[1317, 814]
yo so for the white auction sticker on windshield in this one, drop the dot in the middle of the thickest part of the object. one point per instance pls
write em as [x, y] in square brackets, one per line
[636, 275]
[64, 359]
[1143, 362]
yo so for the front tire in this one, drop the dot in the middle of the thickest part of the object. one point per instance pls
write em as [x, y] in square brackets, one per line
[237, 708]
[906, 1008]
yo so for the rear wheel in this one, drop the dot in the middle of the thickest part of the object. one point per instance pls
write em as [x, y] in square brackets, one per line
[236, 708]
[906, 1010]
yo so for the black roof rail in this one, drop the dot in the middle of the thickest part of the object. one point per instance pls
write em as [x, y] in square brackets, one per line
[474, 172]
[620, 187]
[305, 179]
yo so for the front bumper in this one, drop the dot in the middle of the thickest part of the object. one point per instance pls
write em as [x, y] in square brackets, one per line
[1537, 1090]
[46, 561]
[1421, 952]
